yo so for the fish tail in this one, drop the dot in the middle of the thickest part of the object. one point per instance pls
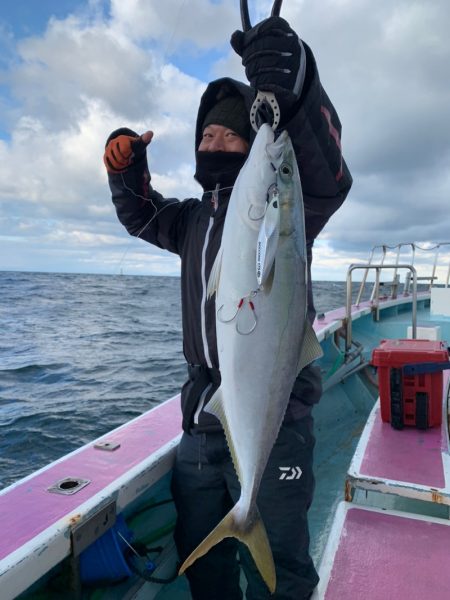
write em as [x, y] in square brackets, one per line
[252, 533]
[255, 538]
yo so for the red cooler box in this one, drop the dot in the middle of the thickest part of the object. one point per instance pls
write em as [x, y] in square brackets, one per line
[410, 400]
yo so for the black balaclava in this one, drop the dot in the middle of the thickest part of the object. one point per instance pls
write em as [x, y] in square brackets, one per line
[223, 167]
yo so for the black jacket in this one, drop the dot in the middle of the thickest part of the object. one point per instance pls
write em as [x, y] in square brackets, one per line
[192, 228]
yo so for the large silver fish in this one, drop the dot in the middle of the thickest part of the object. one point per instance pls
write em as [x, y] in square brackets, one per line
[263, 335]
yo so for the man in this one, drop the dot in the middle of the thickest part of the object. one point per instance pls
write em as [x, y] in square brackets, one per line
[204, 485]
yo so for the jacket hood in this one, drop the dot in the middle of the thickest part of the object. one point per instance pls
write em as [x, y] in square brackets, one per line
[216, 90]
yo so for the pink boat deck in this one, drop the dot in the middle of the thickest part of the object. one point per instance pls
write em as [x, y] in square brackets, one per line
[409, 462]
[138, 440]
[379, 555]
[409, 455]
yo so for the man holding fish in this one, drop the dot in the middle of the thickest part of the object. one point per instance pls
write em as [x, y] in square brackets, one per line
[247, 311]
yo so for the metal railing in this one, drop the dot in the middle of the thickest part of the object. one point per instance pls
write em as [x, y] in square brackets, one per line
[378, 268]
[395, 283]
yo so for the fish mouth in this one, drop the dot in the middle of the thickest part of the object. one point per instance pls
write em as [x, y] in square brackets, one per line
[275, 149]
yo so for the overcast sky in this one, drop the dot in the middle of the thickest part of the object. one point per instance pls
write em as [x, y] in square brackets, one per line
[72, 71]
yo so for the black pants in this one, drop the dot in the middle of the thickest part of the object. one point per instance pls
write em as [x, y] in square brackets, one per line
[205, 487]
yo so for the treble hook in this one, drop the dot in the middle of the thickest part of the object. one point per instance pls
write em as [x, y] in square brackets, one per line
[245, 16]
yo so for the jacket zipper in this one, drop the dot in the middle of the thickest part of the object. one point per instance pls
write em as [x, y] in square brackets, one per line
[215, 202]
[201, 403]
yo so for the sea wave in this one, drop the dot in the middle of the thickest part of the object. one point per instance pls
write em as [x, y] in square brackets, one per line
[82, 354]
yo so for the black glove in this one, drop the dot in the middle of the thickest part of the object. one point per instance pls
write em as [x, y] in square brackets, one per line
[274, 59]
[123, 148]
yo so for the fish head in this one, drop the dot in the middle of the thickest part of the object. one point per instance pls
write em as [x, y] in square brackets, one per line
[290, 195]
[287, 163]
[258, 175]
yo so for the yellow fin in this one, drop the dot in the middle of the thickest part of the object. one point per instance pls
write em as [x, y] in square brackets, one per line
[252, 533]
[311, 348]
[214, 276]
[215, 407]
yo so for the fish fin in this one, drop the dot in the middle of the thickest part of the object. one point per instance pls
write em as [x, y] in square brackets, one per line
[311, 348]
[214, 276]
[252, 534]
[215, 407]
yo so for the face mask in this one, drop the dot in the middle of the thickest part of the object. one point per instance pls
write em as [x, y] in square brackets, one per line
[218, 167]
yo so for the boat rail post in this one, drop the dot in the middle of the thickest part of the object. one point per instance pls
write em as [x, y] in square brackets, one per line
[433, 277]
[376, 289]
[395, 279]
[376, 299]
[407, 285]
[447, 280]
[364, 279]
[348, 309]
[433, 273]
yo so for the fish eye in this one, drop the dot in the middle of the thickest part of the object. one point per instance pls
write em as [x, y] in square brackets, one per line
[285, 169]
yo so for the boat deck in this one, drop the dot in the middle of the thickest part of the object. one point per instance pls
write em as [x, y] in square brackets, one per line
[412, 463]
[376, 552]
[31, 546]
[381, 554]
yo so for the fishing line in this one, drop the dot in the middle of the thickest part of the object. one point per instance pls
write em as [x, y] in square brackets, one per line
[164, 54]
[172, 35]
[126, 187]
[157, 213]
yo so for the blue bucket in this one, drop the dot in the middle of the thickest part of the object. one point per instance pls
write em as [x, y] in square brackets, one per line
[104, 560]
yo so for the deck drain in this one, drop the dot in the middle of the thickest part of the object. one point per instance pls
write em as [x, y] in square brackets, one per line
[68, 486]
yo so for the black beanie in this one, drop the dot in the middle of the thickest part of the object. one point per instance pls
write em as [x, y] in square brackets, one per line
[231, 113]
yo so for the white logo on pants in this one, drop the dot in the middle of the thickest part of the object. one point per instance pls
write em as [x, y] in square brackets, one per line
[290, 473]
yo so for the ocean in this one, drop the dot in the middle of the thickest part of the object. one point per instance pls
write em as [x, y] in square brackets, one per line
[82, 354]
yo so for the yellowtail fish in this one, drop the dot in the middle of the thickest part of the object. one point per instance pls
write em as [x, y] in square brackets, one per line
[263, 335]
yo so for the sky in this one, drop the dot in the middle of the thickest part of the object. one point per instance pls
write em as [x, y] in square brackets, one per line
[73, 71]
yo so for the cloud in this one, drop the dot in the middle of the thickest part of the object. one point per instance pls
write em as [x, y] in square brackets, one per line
[202, 23]
[74, 61]
[73, 86]
[144, 64]
[383, 65]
